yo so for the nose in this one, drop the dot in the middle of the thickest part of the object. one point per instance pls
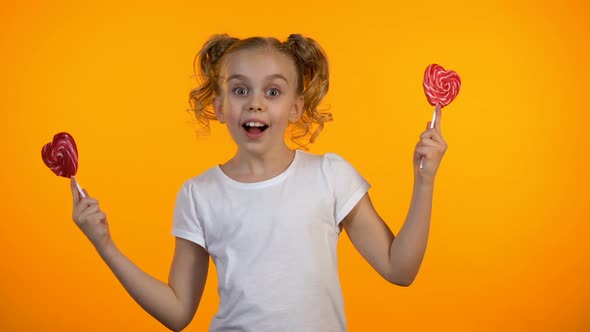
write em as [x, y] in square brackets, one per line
[256, 103]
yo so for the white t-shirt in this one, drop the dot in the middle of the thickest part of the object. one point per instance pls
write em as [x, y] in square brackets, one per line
[273, 242]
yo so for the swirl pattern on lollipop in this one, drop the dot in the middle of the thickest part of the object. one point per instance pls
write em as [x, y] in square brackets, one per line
[441, 86]
[61, 155]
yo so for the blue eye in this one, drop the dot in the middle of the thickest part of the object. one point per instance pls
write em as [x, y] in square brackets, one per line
[273, 92]
[240, 91]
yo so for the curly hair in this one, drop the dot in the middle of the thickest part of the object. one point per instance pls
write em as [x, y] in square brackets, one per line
[312, 79]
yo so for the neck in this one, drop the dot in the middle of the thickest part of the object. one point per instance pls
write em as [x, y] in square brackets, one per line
[246, 166]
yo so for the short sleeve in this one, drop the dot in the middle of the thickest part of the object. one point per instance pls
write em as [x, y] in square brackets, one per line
[346, 183]
[186, 224]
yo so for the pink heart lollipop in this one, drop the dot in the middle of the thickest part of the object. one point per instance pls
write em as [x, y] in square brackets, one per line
[61, 156]
[441, 88]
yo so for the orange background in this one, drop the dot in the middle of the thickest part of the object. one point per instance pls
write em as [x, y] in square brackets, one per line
[509, 238]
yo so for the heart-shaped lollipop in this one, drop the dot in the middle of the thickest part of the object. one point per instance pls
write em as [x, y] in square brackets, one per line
[61, 156]
[441, 88]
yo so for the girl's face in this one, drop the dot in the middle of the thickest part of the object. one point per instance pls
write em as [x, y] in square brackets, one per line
[258, 98]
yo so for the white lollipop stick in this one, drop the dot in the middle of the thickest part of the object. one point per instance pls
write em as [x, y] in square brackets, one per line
[82, 194]
[431, 126]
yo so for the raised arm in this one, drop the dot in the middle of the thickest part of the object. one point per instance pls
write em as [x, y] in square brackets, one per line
[398, 259]
[173, 304]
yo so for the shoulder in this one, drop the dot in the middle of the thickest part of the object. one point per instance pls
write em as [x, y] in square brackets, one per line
[328, 159]
[208, 178]
[330, 165]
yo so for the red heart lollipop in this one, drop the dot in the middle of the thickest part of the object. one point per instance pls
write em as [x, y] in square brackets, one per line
[441, 86]
[61, 156]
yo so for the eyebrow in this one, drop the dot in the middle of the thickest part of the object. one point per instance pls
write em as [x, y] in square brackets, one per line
[245, 78]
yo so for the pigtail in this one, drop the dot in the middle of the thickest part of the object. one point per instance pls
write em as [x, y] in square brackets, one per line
[201, 98]
[313, 64]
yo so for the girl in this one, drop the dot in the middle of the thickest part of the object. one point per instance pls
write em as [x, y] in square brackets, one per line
[270, 217]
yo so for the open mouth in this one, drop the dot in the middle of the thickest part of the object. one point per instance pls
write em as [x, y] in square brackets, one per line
[254, 127]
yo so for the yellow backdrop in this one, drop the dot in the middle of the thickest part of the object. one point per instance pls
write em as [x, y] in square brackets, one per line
[509, 240]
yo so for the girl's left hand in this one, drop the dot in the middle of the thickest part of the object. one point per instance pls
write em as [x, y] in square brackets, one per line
[432, 147]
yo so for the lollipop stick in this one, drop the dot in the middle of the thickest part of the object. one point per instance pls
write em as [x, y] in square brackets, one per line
[431, 126]
[82, 194]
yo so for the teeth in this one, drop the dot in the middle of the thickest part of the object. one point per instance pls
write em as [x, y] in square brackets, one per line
[254, 124]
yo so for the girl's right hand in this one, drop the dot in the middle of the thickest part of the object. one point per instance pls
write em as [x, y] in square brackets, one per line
[88, 216]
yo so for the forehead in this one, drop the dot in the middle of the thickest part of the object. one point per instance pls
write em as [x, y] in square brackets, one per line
[257, 64]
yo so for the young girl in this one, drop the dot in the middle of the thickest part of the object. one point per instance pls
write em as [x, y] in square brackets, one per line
[270, 217]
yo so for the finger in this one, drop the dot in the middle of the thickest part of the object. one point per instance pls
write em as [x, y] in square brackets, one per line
[84, 205]
[91, 219]
[438, 112]
[429, 134]
[427, 125]
[87, 202]
[85, 208]
[86, 215]
[429, 142]
[429, 151]
[100, 217]
[433, 134]
[90, 210]
[422, 152]
[433, 142]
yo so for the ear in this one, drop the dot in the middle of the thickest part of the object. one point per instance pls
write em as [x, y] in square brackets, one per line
[218, 108]
[296, 110]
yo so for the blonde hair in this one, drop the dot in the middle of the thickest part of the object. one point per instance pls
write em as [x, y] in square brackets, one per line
[312, 79]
